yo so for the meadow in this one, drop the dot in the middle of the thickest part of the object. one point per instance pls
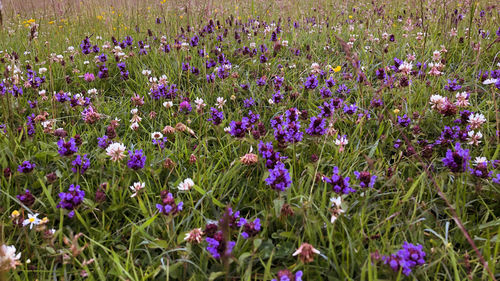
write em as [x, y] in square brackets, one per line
[249, 140]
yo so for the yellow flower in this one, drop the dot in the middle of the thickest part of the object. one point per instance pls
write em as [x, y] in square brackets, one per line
[99, 17]
[337, 69]
[15, 214]
[350, 17]
[396, 111]
[51, 22]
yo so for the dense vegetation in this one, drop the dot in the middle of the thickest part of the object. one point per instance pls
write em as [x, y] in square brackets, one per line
[254, 141]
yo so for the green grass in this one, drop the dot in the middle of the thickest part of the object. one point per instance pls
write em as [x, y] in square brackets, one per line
[126, 238]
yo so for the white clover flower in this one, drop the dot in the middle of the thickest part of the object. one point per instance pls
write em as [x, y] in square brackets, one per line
[134, 126]
[8, 258]
[476, 120]
[489, 81]
[168, 104]
[437, 101]
[474, 137]
[156, 135]
[406, 67]
[341, 141]
[116, 151]
[220, 102]
[185, 185]
[136, 187]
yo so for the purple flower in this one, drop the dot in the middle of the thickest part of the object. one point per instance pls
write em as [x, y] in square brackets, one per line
[277, 97]
[103, 71]
[311, 82]
[103, 142]
[136, 160]
[216, 116]
[80, 164]
[481, 170]
[210, 78]
[292, 132]
[327, 109]
[33, 104]
[330, 82]
[247, 103]
[279, 178]
[218, 246]
[250, 228]
[185, 107]
[452, 86]
[287, 275]
[194, 41]
[397, 143]
[350, 109]
[89, 77]
[239, 128]
[325, 92]
[252, 117]
[380, 73]
[67, 148]
[376, 103]
[343, 89]
[85, 46]
[406, 258]
[62, 97]
[71, 199]
[267, 152]
[26, 167]
[159, 143]
[261, 81]
[26, 198]
[365, 178]
[496, 179]
[233, 218]
[168, 205]
[339, 183]
[102, 58]
[404, 121]
[457, 161]
[316, 127]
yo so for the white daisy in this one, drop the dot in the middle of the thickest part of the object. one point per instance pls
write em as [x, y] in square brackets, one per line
[32, 220]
